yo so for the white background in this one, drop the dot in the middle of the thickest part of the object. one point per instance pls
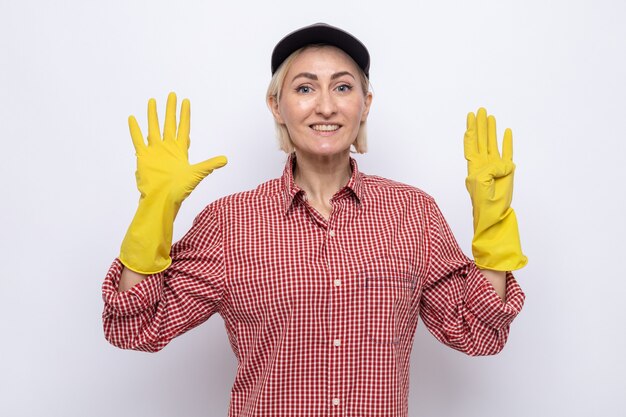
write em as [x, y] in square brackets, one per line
[72, 71]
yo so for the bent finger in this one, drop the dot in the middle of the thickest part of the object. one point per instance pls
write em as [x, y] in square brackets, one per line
[495, 170]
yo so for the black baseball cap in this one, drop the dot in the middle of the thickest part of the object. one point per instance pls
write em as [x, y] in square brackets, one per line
[321, 33]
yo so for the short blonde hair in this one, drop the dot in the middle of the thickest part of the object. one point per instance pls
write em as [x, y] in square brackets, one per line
[275, 88]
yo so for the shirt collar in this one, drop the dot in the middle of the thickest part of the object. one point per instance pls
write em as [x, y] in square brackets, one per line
[291, 189]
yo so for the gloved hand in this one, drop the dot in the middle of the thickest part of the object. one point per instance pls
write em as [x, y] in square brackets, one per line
[164, 179]
[496, 244]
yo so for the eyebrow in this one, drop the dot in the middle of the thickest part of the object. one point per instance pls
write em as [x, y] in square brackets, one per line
[341, 74]
[314, 77]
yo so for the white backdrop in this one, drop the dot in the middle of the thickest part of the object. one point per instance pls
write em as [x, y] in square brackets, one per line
[72, 71]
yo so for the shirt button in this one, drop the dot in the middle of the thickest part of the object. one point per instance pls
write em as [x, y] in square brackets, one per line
[335, 401]
[337, 342]
[332, 233]
[337, 282]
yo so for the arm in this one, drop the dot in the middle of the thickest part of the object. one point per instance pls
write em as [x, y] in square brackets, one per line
[498, 280]
[129, 279]
[496, 243]
[161, 306]
[459, 306]
[470, 305]
[142, 290]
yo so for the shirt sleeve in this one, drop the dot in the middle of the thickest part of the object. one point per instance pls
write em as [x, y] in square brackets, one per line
[459, 306]
[167, 304]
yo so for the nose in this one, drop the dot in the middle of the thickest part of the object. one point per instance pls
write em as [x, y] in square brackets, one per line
[326, 105]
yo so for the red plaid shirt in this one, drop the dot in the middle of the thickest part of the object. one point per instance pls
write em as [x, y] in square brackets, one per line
[320, 314]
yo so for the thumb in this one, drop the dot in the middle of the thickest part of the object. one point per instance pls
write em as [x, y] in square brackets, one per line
[504, 168]
[496, 170]
[206, 167]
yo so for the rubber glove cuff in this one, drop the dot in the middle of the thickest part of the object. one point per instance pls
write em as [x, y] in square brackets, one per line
[146, 246]
[497, 246]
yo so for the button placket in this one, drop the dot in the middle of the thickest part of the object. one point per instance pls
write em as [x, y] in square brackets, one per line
[336, 318]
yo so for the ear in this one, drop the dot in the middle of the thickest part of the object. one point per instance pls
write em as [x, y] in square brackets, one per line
[272, 103]
[366, 110]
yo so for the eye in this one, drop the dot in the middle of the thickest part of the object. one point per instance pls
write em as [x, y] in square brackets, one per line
[344, 88]
[304, 89]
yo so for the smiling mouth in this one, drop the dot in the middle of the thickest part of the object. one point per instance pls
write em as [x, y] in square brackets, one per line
[325, 128]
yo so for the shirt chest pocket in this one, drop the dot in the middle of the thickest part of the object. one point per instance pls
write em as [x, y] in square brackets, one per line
[391, 291]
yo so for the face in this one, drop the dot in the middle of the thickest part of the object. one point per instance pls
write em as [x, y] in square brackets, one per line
[322, 103]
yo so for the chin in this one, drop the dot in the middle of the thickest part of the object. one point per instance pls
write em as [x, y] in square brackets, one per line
[326, 152]
[323, 147]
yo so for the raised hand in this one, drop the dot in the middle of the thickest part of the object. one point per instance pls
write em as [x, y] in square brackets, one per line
[163, 166]
[496, 243]
[164, 179]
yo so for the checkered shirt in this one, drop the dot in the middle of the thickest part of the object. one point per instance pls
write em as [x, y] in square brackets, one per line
[320, 313]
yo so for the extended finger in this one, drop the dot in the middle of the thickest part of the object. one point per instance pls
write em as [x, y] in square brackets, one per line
[154, 132]
[507, 145]
[136, 135]
[492, 137]
[206, 167]
[183, 126]
[470, 145]
[169, 129]
[481, 127]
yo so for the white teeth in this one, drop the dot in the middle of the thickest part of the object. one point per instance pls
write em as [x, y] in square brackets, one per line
[325, 128]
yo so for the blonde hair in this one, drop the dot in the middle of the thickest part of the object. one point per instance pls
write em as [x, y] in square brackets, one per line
[274, 90]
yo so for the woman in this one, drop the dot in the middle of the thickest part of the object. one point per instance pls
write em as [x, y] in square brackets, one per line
[320, 275]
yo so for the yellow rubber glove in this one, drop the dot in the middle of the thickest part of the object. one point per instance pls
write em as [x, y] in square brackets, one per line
[496, 243]
[164, 179]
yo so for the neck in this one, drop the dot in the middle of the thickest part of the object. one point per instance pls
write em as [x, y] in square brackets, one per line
[321, 178]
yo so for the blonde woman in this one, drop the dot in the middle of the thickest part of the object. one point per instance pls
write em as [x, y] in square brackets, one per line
[322, 274]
